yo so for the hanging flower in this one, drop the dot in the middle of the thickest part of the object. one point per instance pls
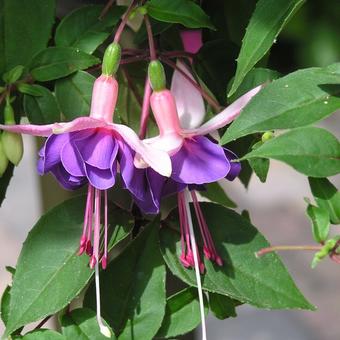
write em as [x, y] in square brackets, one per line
[196, 158]
[88, 150]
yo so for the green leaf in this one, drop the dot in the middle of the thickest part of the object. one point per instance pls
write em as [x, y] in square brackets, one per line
[13, 74]
[262, 282]
[42, 109]
[267, 21]
[255, 77]
[215, 193]
[298, 99]
[25, 28]
[81, 324]
[32, 90]
[260, 167]
[182, 314]
[222, 306]
[5, 299]
[74, 93]
[49, 273]
[326, 196]
[320, 222]
[43, 334]
[83, 29]
[183, 12]
[134, 288]
[310, 150]
[57, 62]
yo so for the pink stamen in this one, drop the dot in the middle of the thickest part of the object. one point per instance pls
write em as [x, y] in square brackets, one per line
[84, 237]
[96, 235]
[187, 255]
[209, 247]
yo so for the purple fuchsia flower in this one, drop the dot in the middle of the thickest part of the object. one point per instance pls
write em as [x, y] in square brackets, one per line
[196, 159]
[90, 150]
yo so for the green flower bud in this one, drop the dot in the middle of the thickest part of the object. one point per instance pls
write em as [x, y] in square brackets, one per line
[9, 113]
[111, 59]
[157, 75]
[3, 160]
[266, 136]
[13, 146]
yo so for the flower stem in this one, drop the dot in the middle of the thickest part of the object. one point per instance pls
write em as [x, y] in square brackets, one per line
[212, 102]
[106, 9]
[145, 109]
[264, 251]
[150, 38]
[122, 24]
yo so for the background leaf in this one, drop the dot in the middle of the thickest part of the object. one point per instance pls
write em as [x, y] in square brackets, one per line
[49, 273]
[74, 94]
[25, 28]
[5, 299]
[83, 29]
[57, 62]
[320, 222]
[81, 324]
[263, 282]
[43, 334]
[268, 19]
[215, 193]
[326, 196]
[183, 12]
[182, 314]
[4, 182]
[298, 99]
[131, 284]
[222, 306]
[312, 151]
[42, 109]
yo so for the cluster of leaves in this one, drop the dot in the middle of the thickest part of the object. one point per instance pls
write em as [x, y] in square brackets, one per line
[52, 77]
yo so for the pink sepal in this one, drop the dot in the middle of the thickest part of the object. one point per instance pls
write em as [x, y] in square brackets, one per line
[225, 117]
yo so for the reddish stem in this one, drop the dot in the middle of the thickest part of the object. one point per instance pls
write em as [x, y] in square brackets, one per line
[150, 38]
[145, 109]
[106, 9]
[264, 251]
[122, 24]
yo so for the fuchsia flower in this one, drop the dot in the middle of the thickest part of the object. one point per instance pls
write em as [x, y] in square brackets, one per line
[90, 150]
[196, 159]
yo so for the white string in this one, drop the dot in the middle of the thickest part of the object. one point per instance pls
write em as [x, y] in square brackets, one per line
[103, 329]
[197, 270]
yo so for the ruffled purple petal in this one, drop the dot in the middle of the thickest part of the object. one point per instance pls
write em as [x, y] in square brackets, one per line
[199, 161]
[152, 183]
[50, 152]
[66, 180]
[235, 167]
[98, 149]
[99, 178]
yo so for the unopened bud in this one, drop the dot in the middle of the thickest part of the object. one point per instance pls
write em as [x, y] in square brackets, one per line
[9, 113]
[111, 59]
[3, 160]
[267, 136]
[157, 75]
[13, 146]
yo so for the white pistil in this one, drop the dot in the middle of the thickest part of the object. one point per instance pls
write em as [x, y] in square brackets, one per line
[197, 270]
[103, 329]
